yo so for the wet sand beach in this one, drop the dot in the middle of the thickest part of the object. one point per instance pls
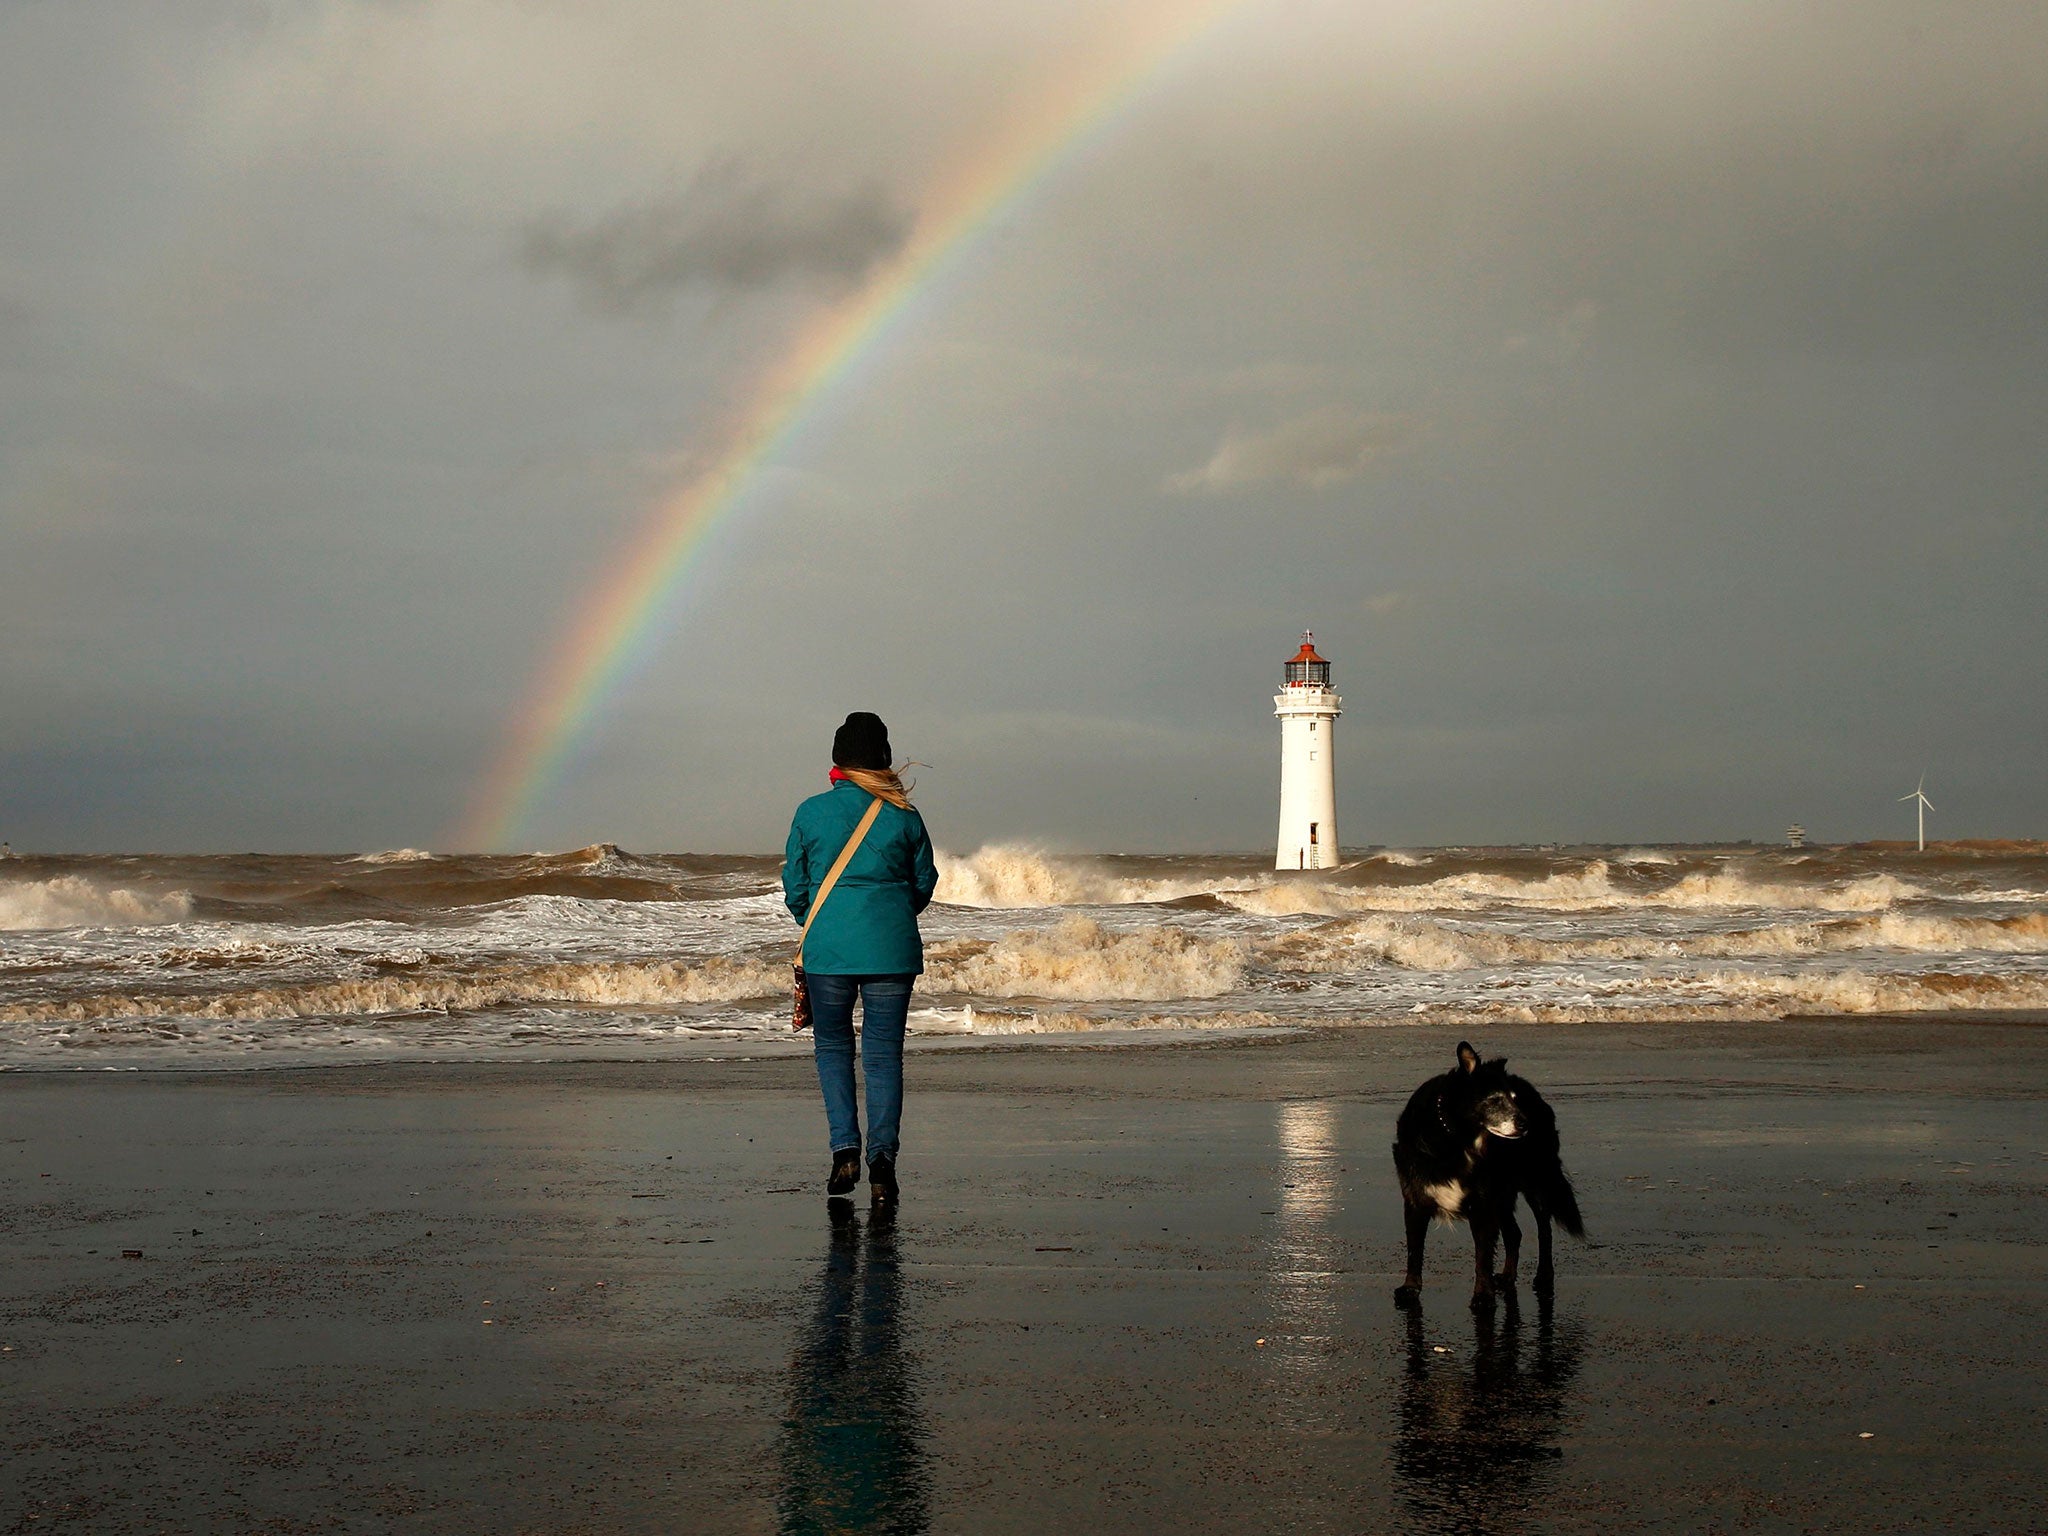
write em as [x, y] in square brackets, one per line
[1139, 1287]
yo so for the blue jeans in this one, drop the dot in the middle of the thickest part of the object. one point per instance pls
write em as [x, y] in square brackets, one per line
[885, 1005]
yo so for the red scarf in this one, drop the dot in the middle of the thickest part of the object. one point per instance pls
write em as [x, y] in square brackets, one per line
[836, 777]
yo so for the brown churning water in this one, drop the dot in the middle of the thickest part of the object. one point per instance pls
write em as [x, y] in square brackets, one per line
[232, 961]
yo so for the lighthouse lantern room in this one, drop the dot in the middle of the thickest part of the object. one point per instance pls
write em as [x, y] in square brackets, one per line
[1308, 713]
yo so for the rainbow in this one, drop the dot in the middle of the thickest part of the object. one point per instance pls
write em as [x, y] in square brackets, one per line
[621, 614]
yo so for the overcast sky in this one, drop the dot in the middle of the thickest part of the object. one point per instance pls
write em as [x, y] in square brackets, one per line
[1645, 403]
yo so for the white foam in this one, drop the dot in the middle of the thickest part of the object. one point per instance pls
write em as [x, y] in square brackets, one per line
[71, 901]
[1012, 875]
[994, 1021]
[1761, 994]
[1590, 889]
[1421, 944]
[1742, 997]
[654, 984]
[1080, 960]
[600, 924]
[133, 964]
[1729, 888]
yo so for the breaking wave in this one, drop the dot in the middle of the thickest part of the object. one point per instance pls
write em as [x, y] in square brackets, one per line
[1080, 960]
[619, 984]
[1590, 889]
[1013, 876]
[209, 955]
[996, 1021]
[1759, 997]
[1725, 995]
[70, 901]
[1010, 875]
[1422, 945]
[1859, 992]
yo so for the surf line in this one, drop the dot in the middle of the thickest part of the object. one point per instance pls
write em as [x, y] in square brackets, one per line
[620, 616]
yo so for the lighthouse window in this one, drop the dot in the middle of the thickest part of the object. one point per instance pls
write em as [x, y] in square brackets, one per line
[1311, 727]
[1313, 828]
[1311, 754]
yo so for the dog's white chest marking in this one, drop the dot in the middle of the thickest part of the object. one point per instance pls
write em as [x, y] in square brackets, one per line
[1449, 1198]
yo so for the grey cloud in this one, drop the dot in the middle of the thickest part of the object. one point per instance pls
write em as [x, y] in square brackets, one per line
[1562, 337]
[1323, 448]
[1721, 327]
[1273, 377]
[725, 230]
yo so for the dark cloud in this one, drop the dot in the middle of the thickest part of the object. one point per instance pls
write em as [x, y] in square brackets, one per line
[1721, 329]
[727, 229]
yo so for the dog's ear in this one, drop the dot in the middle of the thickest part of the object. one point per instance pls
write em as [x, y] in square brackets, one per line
[1467, 1057]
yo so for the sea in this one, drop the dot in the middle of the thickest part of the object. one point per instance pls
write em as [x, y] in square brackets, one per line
[254, 960]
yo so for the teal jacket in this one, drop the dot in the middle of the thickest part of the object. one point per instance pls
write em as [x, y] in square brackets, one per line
[868, 926]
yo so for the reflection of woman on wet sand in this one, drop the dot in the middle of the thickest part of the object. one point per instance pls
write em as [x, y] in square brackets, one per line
[1472, 1446]
[852, 1445]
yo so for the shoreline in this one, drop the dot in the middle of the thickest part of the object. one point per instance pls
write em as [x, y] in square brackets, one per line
[1101, 1041]
[1130, 1286]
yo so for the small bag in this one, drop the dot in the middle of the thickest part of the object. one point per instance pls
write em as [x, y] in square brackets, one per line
[800, 1015]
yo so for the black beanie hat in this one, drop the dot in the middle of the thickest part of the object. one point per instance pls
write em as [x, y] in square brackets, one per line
[862, 742]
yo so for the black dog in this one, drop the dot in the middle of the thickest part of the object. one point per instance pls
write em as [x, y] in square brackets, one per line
[1468, 1143]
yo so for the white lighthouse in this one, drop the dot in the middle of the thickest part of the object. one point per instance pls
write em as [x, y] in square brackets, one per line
[1308, 713]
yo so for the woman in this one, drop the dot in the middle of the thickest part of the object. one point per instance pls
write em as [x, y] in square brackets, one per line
[864, 941]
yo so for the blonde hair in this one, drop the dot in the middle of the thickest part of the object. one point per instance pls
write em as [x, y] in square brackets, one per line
[882, 783]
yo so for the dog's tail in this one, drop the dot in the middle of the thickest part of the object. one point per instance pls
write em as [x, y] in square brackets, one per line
[1564, 1204]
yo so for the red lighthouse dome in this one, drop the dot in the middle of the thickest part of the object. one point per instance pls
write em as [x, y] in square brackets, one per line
[1307, 669]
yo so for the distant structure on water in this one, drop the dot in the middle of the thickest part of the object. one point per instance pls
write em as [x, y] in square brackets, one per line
[1308, 713]
[1795, 836]
[1925, 805]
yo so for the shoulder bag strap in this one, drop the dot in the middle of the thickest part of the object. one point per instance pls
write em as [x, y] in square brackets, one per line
[832, 874]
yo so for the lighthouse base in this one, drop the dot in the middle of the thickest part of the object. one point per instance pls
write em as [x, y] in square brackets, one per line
[1308, 779]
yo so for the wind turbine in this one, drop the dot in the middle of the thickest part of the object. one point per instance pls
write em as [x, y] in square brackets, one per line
[1926, 805]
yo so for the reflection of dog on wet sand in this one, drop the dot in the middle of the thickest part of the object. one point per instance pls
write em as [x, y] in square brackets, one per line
[1469, 1143]
[1475, 1439]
